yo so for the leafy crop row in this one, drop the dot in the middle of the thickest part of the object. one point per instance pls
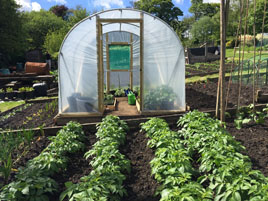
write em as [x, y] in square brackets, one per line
[34, 181]
[172, 164]
[224, 169]
[105, 182]
[12, 142]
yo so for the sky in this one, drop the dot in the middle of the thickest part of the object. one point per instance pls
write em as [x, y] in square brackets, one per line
[96, 5]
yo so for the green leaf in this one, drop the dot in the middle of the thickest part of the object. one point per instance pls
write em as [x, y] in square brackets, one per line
[237, 196]
[25, 191]
[165, 193]
[68, 184]
[246, 120]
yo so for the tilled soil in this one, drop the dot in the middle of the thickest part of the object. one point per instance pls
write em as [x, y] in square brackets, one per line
[21, 157]
[254, 138]
[77, 167]
[140, 184]
[30, 118]
[203, 96]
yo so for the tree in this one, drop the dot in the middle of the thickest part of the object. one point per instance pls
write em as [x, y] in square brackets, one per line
[259, 17]
[199, 9]
[11, 32]
[38, 25]
[202, 30]
[163, 9]
[60, 11]
[186, 25]
[54, 38]
[77, 15]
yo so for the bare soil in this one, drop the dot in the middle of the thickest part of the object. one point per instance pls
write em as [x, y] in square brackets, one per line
[254, 137]
[140, 184]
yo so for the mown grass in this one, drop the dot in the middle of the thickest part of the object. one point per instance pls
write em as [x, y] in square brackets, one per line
[9, 105]
[247, 54]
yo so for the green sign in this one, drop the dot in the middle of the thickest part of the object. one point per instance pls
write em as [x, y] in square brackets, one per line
[119, 57]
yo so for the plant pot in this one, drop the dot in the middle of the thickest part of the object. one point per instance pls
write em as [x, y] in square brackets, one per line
[167, 105]
[85, 104]
[112, 92]
[10, 95]
[108, 102]
[72, 102]
[21, 95]
[29, 94]
[2, 96]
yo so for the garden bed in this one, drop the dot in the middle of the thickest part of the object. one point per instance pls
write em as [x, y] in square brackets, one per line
[200, 95]
[33, 116]
[140, 185]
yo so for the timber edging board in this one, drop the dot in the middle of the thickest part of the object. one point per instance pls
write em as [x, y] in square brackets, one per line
[41, 100]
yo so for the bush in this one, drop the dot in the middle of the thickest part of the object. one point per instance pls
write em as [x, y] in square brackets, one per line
[230, 43]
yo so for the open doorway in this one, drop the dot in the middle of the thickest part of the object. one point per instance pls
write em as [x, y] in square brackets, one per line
[121, 63]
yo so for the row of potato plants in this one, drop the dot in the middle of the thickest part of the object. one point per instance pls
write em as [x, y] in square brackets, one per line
[105, 181]
[224, 170]
[34, 181]
[172, 164]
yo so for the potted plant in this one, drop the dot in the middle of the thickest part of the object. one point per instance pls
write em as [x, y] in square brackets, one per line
[136, 91]
[108, 99]
[29, 92]
[21, 93]
[2, 94]
[119, 92]
[10, 93]
[160, 98]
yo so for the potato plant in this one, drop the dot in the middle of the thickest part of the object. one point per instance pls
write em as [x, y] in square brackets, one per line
[172, 164]
[105, 182]
[34, 181]
[223, 167]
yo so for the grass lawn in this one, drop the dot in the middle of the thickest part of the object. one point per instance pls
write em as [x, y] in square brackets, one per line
[247, 55]
[9, 105]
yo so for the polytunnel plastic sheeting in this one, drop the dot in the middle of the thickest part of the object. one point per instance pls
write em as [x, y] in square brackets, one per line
[78, 69]
[164, 68]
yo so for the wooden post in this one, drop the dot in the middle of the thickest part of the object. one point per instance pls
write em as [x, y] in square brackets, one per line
[222, 60]
[98, 61]
[100, 64]
[266, 73]
[206, 51]
[107, 65]
[141, 61]
[243, 54]
[131, 62]
[101, 69]
[254, 33]
[248, 71]
[218, 96]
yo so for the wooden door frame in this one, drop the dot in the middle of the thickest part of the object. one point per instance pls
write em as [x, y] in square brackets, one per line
[99, 34]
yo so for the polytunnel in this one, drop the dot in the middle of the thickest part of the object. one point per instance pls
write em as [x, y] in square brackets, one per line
[121, 48]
